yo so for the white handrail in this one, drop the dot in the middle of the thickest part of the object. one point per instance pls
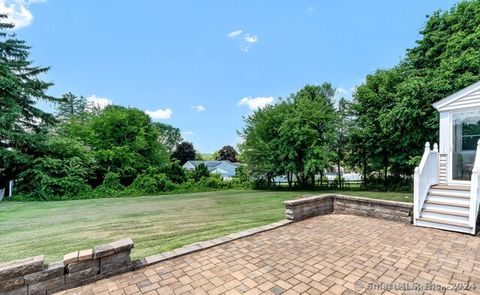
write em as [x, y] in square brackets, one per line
[474, 191]
[426, 175]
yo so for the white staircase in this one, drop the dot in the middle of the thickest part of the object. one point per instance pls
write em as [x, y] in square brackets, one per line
[446, 207]
[439, 204]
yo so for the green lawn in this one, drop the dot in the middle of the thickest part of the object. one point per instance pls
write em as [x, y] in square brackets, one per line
[155, 223]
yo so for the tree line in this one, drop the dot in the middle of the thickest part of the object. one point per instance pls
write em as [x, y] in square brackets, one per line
[382, 131]
[84, 151]
[81, 150]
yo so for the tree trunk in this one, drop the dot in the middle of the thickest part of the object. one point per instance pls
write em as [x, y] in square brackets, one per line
[364, 170]
[339, 175]
[385, 164]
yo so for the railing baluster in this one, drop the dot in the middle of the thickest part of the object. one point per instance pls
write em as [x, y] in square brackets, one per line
[426, 175]
[474, 191]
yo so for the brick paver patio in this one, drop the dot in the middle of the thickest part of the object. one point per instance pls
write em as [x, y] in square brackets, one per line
[332, 254]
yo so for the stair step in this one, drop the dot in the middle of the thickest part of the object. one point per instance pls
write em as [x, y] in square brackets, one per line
[447, 204]
[445, 212]
[459, 224]
[449, 195]
[451, 187]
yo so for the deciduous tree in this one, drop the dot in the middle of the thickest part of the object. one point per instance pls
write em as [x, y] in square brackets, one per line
[293, 137]
[227, 153]
[169, 136]
[184, 152]
[393, 109]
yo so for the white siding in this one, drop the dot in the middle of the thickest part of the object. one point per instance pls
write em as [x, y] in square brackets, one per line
[445, 138]
[188, 166]
[229, 168]
[472, 100]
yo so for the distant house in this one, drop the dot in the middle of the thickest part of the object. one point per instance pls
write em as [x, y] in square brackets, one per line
[226, 169]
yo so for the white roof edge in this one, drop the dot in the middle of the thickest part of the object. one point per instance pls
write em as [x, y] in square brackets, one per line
[459, 94]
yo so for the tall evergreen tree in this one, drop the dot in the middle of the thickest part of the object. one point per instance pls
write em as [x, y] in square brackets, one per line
[22, 124]
[70, 105]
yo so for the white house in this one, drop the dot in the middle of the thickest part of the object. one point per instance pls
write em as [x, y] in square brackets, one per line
[226, 169]
[446, 183]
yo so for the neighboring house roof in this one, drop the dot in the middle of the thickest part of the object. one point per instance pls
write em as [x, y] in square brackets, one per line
[468, 97]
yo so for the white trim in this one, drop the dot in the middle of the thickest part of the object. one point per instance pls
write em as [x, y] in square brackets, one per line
[450, 149]
[458, 109]
[459, 182]
[450, 179]
[457, 95]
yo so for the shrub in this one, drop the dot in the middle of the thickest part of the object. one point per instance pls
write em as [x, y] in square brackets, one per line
[392, 184]
[60, 172]
[174, 172]
[238, 183]
[212, 181]
[112, 181]
[200, 172]
[111, 186]
[50, 179]
[152, 181]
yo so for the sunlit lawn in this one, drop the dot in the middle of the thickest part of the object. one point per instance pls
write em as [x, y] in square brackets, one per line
[155, 223]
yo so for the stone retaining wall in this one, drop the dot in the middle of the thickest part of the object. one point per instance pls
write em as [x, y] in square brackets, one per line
[325, 204]
[309, 207]
[31, 276]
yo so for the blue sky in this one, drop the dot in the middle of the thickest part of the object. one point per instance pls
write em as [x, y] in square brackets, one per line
[202, 65]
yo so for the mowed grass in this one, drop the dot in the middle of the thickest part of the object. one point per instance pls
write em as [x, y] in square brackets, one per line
[155, 223]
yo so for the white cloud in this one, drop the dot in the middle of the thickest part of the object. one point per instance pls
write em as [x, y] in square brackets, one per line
[18, 11]
[344, 92]
[199, 108]
[235, 34]
[311, 9]
[160, 114]
[341, 91]
[250, 38]
[98, 102]
[188, 133]
[255, 102]
[246, 40]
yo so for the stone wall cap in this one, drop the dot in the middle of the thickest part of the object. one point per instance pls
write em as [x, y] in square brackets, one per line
[309, 199]
[122, 245]
[70, 258]
[21, 267]
[375, 201]
[85, 255]
[103, 250]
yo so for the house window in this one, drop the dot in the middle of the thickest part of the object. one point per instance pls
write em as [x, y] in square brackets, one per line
[466, 128]
[470, 135]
